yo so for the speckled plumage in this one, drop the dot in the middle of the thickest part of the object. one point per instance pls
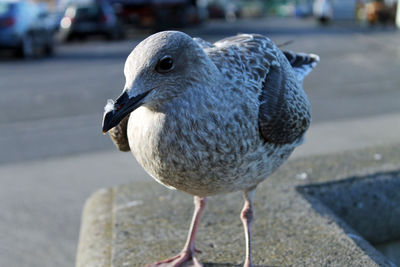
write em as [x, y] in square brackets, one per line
[210, 118]
[232, 117]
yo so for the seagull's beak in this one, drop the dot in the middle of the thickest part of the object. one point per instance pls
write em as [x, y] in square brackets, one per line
[122, 107]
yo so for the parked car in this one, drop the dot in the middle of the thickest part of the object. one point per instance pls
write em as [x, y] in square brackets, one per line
[24, 28]
[54, 18]
[90, 18]
[160, 14]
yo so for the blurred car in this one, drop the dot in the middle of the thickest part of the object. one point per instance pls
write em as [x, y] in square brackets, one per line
[54, 18]
[24, 28]
[90, 18]
[160, 15]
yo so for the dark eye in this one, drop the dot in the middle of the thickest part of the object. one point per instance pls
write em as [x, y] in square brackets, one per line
[165, 64]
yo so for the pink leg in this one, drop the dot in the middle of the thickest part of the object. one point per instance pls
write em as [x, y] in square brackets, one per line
[247, 217]
[187, 256]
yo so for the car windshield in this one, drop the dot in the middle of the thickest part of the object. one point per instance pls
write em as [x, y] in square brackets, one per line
[88, 12]
[6, 8]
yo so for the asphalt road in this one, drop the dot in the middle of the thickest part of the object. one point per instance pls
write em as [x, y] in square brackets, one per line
[51, 111]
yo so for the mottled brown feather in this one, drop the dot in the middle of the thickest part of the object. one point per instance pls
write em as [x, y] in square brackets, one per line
[118, 135]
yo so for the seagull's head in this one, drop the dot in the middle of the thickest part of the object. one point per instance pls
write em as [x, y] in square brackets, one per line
[160, 68]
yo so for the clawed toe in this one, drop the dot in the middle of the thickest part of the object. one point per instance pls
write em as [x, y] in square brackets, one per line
[183, 259]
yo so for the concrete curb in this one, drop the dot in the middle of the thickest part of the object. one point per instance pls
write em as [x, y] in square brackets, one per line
[95, 242]
[144, 222]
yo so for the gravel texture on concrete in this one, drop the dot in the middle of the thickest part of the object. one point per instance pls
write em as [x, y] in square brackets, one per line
[140, 223]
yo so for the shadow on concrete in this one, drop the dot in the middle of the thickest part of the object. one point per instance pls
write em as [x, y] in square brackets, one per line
[370, 205]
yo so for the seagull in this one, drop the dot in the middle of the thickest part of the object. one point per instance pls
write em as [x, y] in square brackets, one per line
[209, 119]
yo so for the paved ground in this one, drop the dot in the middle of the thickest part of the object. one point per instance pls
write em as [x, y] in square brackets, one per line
[53, 154]
[142, 222]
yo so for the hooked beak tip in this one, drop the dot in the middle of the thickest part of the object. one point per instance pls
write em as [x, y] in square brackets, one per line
[116, 111]
[107, 118]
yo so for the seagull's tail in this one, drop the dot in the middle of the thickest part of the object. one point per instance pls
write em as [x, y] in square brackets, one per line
[302, 63]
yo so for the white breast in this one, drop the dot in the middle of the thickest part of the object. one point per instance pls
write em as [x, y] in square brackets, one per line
[144, 129]
[201, 162]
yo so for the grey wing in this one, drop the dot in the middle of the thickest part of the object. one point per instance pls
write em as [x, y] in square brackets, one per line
[244, 59]
[119, 136]
[284, 113]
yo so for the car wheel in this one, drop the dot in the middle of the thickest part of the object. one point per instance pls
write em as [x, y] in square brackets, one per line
[26, 49]
[48, 49]
[111, 35]
[69, 38]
